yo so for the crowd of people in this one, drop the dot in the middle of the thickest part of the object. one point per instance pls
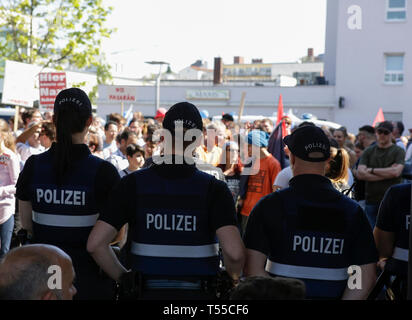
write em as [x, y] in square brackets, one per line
[366, 167]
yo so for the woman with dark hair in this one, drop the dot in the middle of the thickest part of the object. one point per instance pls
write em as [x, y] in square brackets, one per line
[135, 157]
[230, 165]
[62, 191]
[47, 134]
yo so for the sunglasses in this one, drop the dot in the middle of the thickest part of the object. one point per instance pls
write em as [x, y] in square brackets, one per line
[385, 132]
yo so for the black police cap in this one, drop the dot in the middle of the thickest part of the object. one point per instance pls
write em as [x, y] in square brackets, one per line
[73, 97]
[309, 143]
[184, 114]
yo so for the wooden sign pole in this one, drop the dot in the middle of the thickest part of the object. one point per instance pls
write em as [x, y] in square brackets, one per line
[16, 118]
[241, 107]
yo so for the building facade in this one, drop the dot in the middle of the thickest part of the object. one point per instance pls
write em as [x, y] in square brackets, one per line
[196, 71]
[368, 60]
[318, 100]
[306, 72]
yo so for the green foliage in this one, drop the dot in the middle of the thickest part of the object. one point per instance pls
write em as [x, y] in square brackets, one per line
[58, 34]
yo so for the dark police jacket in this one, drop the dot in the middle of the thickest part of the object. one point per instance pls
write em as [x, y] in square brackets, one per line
[394, 216]
[173, 212]
[171, 235]
[63, 215]
[312, 232]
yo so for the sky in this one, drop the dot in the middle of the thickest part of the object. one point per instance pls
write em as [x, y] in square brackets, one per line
[182, 31]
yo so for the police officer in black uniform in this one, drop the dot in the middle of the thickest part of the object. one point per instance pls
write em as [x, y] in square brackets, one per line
[62, 191]
[392, 234]
[174, 212]
[310, 231]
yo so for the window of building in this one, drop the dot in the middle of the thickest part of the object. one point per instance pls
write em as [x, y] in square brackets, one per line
[394, 68]
[393, 116]
[396, 10]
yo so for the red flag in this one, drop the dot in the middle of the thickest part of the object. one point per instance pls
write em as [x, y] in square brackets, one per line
[280, 116]
[379, 118]
[280, 110]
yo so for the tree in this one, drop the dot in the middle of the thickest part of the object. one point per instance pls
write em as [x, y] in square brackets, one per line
[56, 33]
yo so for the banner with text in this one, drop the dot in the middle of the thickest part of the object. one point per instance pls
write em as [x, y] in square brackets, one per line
[50, 84]
[121, 94]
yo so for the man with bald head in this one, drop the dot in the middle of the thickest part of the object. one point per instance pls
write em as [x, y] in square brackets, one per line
[36, 272]
[310, 231]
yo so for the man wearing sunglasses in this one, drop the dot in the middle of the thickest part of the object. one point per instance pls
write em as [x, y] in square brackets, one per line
[381, 167]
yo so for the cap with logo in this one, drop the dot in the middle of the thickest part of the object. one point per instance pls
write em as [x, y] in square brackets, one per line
[184, 114]
[309, 143]
[75, 98]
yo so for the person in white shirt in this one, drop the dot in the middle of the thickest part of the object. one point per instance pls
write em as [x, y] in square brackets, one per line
[29, 117]
[119, 159]
[282, 179]
[397, 131]
[32, 145]
[109, 143]
[408, 155]
[136, 127]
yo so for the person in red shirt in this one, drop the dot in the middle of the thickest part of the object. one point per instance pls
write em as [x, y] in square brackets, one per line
[263, 173]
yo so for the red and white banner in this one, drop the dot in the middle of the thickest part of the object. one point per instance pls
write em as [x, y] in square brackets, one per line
[50, 84]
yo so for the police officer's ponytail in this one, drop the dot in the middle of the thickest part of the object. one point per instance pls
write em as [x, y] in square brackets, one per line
[72, 109]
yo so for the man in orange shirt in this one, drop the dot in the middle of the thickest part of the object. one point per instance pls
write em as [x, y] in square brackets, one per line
[265, 168]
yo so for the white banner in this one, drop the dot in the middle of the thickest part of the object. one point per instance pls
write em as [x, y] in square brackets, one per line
[21, 83]
[19, 86]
